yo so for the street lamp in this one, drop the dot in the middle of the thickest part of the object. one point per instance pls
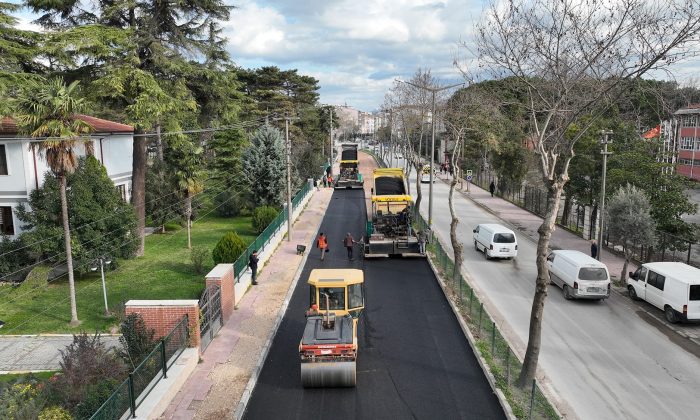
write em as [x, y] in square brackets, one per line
[604, 141]
[432, 90]
[103, 261]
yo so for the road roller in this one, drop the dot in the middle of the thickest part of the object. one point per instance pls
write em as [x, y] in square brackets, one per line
[328, 348]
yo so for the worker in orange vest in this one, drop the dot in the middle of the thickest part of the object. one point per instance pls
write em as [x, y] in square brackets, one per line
[322, 244]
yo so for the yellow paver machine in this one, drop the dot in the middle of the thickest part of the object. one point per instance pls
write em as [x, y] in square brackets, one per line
[328, 348]
[349, 176]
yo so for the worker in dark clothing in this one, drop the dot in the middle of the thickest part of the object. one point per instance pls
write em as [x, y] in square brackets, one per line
[594, 249]
[253, 264]
[349, 242]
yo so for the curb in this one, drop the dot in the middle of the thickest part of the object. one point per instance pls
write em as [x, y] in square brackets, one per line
[248, 390]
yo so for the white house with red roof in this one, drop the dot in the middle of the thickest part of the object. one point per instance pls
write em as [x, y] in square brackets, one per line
[22, 167]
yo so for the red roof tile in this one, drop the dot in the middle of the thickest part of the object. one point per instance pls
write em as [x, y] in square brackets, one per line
[9, 127]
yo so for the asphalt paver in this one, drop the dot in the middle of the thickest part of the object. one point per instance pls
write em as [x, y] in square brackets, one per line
[413, 360]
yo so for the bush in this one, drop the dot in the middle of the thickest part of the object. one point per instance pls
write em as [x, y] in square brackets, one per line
[230, 203]
[14, 256]
[95, 396]
[262, 217]
[229, 248]
[137, 340]
[38, 278]
[55, 413]
[84, 363]
[198, 255]
[21, 400]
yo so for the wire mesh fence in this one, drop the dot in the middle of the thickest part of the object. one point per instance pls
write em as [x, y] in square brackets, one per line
[133, 391]
[526, 402]
[271, 230]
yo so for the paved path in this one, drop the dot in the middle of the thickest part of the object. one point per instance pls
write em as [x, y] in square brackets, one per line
[217, 384]
[37, 353]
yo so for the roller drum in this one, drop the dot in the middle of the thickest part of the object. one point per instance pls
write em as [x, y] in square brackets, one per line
[328, 374]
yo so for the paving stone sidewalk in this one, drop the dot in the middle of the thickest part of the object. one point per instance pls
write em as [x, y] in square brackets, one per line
[28, 353]
[528, 223]
[218, 383]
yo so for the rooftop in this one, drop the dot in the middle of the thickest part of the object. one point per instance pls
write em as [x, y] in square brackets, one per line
[8, 126]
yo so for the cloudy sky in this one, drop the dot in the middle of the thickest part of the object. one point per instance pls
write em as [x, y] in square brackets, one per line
[355, 48]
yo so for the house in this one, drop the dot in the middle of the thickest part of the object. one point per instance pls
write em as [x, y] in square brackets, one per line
[22, 167]
[687, 135]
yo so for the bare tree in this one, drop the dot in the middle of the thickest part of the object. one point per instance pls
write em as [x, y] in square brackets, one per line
[573, 57]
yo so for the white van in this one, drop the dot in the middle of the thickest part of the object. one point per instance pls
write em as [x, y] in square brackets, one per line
[673, 287]
[495, 241]
[579, 276]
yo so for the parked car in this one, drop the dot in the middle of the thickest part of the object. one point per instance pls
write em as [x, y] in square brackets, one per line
[579, 275]
[495, 241]
[673, 287]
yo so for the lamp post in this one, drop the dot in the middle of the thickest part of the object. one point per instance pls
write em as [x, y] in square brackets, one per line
[103, 261]
[432, 90]
[604, 141]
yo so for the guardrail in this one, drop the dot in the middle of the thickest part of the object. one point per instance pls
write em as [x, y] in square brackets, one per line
[130, 394]
[526, 403]
[264, 238]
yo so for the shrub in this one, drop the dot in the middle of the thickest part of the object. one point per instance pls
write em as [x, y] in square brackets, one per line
[14, 255]
[55, 413]
[229, 248]
[198, 255]
[95, 396]
[21, 400]
[230, 203]
[38, 278]
[84, 363]
[262, 217]
[137, 340]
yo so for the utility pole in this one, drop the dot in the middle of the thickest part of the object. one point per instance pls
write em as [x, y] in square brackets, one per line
[330, 144]
[288, 152]
[433, 90]
[604, 141]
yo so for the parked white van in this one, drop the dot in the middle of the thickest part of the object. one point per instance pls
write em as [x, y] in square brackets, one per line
[495, 241]
[673, 287]
[580, 276]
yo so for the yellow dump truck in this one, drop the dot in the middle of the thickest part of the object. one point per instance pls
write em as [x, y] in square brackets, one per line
[390, 232]
[349, 176]
[328, 348]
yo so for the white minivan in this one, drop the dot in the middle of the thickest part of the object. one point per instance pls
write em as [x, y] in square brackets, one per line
[495, 241]
[673, 287]
[579, 275]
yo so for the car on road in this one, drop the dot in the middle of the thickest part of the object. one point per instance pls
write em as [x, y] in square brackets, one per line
[673, 287]
[495, 241]
[579, 275]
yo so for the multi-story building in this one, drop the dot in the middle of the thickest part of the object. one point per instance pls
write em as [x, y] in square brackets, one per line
[22, 167]
[686, 128]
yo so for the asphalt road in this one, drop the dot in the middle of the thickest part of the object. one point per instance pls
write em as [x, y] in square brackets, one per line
[413, 361]
[605, 360]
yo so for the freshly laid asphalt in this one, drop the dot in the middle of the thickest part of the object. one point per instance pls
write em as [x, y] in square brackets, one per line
[413, 360]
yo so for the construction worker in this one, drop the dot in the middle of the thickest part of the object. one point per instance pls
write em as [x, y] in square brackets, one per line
[349, 242]
[313, 310]
[322, 244]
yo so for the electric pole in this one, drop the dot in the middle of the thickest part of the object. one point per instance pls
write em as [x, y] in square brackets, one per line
[288, 152]
[604, 141]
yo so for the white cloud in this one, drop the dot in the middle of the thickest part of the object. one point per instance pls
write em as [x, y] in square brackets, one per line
[255, 30]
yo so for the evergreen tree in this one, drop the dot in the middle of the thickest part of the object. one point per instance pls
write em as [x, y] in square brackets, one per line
[264, 167]
[162, 201]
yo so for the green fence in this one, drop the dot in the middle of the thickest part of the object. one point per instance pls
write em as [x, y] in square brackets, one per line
[264, 238]
[528, 402]
[130, 394]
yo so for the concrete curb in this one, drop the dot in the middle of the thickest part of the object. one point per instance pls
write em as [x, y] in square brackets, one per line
[248, 390]
[470, 338]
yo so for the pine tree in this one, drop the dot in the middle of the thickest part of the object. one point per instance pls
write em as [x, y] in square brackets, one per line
[264, 167]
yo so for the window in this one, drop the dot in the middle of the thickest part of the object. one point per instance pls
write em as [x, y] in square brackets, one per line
[336, 298]
[3, 161]
[695, 292]
[687, 143]
[6, 224]
[355, 296]
[551, 256]
[688, 121]
[592, 273]
[312, 295]
[656, 280]
[504, 238]
[640, 274]
[121, 189]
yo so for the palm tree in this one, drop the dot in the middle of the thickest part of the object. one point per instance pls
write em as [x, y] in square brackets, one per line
[48, 111]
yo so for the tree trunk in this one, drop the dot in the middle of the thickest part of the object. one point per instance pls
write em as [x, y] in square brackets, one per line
[628, 255]
[74, 322]
[188, 215]
[568, 202]
[159, 143]
[419, 173]
[457, 246]
[527, 374]
[138, 188]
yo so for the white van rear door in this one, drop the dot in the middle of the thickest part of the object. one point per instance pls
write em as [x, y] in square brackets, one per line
[694, 302]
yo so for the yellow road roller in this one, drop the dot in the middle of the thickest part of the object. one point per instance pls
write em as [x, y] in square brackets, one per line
[328, 348]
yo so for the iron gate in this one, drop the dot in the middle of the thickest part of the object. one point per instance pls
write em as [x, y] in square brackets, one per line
[211, 318]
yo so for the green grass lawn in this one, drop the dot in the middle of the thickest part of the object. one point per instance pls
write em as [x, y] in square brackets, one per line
[21, 377]
[164, 272]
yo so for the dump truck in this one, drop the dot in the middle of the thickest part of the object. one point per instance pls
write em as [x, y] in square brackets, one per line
[390, 232]
[349, 176]
[328, 348]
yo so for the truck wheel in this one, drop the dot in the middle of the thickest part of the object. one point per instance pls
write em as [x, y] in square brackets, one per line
[670, 315]
[567, 294]
[486, 254]
[632, 293]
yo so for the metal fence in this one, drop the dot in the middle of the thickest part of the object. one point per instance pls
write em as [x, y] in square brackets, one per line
[264, 238]
[528, 402]
[211, 316]
[130, 394]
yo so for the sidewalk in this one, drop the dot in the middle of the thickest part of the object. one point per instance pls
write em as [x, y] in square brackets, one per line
[528, 223]
[31, 353]
[220, 380]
